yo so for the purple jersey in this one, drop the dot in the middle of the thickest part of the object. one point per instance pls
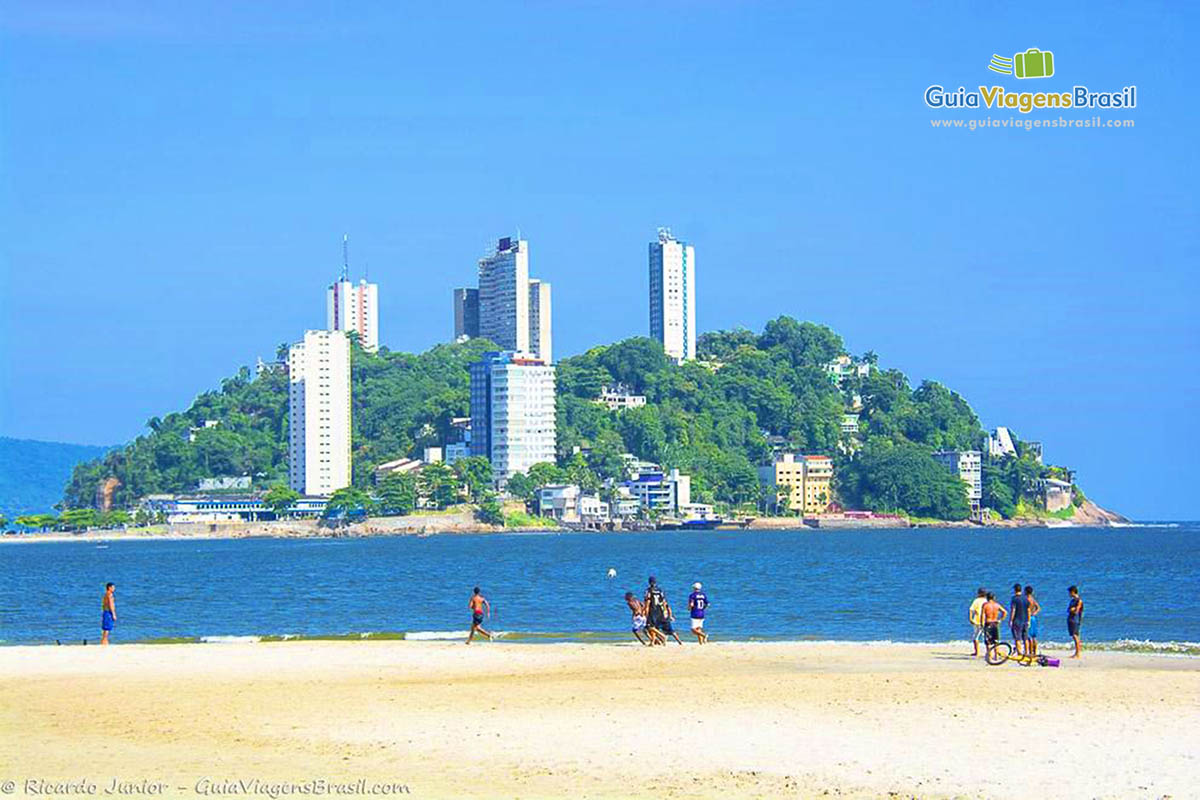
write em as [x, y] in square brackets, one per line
[697, 602]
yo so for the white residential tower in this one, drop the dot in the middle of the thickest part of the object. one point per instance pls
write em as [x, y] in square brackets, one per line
[673, 295]
[319, 413]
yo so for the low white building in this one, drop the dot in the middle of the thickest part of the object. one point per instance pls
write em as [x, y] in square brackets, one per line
[620, 396]
[1000, 443]
[663, 493]
[844, 367]
[566, 502]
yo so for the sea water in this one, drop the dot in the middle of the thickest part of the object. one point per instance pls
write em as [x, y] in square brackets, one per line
[1140, 584]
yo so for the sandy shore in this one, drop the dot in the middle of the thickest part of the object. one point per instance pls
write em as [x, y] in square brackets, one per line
[508, 720]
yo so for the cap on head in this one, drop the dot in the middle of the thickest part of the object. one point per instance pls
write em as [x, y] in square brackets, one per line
[652, 580]
[696, 585]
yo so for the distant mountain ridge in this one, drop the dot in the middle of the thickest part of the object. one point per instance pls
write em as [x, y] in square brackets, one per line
[33, 473]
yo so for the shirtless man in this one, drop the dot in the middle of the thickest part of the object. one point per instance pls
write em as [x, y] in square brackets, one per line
[108, 612]
[479, 606]
[639, 620]
[993, 615]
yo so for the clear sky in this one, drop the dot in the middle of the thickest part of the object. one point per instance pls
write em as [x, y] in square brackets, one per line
[176, 177]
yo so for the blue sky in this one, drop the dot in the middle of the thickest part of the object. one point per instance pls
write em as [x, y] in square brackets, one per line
[175, 179]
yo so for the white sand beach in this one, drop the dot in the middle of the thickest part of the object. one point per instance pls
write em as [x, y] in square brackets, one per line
[518, 720]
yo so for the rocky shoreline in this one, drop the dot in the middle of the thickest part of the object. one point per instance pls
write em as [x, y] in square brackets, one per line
[1087, 515]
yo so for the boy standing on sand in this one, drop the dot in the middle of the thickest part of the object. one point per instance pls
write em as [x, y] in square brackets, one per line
[1075, 617]
[993, 615]
[478, 605]
[1019, 620]
[697, 602]
[1035, 608]
[975, 617]
[108, 612]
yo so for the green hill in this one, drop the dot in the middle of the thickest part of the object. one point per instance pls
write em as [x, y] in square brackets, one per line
[33, 473]
[715, 418]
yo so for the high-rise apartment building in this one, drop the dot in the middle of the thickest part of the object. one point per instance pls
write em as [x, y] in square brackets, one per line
[673, 295]
[512, 412]
[319, 413]
[354, 308]
[504, 295]
[508, 307]
[466, 314]
[539, 321]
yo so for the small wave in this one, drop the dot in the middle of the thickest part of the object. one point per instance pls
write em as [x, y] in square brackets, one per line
[229, 639]
[434, 636]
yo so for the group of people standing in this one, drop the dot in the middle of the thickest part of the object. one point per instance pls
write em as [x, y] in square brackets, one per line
[652, 615]
[1023, 615]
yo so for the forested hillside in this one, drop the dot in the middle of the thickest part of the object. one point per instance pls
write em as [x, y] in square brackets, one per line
[710, 418]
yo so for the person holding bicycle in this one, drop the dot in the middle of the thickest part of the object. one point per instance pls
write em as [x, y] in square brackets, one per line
[993, 615]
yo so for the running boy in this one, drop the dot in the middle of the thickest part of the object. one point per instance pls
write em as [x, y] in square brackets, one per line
[478, 605]
[697, 602]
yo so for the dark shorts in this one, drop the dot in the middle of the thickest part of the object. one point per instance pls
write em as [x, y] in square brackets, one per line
[1020, 631]
[477, 619]
[107, 621]
[1072, 626]
[991, 632]
[662, 624]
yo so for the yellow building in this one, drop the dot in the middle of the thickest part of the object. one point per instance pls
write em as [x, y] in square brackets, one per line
[803, 484]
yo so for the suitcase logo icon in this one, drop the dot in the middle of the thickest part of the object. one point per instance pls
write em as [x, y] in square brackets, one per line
[1033, 63]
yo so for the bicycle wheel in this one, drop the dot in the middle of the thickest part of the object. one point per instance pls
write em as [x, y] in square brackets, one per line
[999, 654]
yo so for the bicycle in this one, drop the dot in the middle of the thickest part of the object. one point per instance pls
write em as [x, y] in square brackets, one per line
[1003, 651]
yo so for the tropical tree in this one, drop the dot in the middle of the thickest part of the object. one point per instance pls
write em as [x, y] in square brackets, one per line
[280, 499]
[397, 494]
[474, 474]
[348, 503]
[439, 483]
[490, 511]
[520, 486]
[79, 518]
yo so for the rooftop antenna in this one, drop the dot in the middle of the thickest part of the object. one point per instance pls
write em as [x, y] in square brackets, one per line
[345, 255]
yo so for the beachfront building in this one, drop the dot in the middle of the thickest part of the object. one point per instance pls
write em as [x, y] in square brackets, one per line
[466, 314]
[673, 296]
[663, 493]
[801, 483]
[202, 508]
[354, 308]
[1056, 494]
[568, 503]
[319, 413]
[620, 396]
[512, 412]
[967, 465]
